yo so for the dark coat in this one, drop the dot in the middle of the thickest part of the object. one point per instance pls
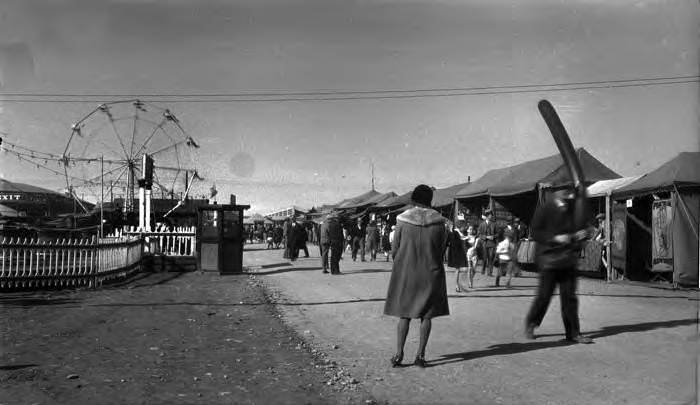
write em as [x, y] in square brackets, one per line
[456, 256]
[553, 218]
[372, 236]
[295, 236]
[386, 244]
[356, 232]
[331, 231]
[487, 233]
[417, 287]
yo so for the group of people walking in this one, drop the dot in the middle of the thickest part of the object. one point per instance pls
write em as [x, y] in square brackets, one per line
[372, 239]
[496, 248]
[294, 236]
[417, 288]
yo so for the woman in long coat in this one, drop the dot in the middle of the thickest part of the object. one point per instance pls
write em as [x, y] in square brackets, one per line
[417, 287]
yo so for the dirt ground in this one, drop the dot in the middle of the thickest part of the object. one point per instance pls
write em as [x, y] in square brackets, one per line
[645, 350]
[166, 338]
[285, 333]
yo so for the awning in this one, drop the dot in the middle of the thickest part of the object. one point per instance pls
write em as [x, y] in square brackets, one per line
[525, 177]
[604, 187]
[446, 196]
[681, 172]
[551, 171]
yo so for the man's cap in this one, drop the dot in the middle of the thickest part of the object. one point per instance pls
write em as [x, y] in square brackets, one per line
[488, 211]
[600, 216]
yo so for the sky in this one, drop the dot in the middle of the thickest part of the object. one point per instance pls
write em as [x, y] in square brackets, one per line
[273, 154]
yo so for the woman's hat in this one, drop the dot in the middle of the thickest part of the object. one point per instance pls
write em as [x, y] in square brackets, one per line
[422, 194]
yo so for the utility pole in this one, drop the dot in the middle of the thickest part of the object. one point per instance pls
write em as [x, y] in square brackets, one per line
[372, 168]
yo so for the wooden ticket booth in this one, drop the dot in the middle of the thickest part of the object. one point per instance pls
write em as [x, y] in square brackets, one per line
[220, 238]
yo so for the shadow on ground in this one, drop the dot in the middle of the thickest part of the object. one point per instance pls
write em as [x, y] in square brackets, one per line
[515, 347]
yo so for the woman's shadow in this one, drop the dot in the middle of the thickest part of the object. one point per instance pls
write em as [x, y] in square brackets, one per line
[516, 347]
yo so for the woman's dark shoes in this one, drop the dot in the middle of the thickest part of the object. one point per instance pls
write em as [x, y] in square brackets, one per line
[396, 360]
[420, 361]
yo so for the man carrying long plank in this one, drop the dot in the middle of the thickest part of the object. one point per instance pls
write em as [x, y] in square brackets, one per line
[559, 227]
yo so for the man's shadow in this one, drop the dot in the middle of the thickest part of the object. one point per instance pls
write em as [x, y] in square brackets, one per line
[516, 347]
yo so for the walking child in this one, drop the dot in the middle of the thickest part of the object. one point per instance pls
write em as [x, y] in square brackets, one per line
[505, 251]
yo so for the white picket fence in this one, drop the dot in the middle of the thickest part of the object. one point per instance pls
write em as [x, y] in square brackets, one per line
[26, 263]
[180, 241]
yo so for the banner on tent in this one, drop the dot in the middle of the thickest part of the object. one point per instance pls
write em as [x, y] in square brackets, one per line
[618, 245]
[662, 240]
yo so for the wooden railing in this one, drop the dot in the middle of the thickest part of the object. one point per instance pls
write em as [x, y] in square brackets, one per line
[26, 263]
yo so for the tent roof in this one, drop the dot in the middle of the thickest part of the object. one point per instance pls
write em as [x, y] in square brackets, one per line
[481, 185]
[8, 186]
[681, 171]
[354, 201]
[372, 200]
[525, 177]
[446, 196]
[399, 200]
[603, 187]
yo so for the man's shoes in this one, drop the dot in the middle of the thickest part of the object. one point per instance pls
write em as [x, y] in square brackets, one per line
[335, 273]
[325, 271]
[580, 339]
[530, 332]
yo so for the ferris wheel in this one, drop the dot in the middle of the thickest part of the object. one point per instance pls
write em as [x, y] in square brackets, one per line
[104, 151]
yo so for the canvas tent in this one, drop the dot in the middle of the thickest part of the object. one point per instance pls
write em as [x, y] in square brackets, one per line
[518, 188]
[353, 202]
[394, 202]
[444, 197]
[369, 201]
[662, 224]
[600, 194]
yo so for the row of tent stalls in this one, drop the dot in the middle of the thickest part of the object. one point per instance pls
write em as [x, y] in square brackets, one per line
[510, 192]
[653, 221]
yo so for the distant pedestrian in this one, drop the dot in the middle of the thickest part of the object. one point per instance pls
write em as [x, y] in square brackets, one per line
[519, 234]
[456, 256]
[277, 234]
[385, 240]
[556, 254]
[294, 237]
[487, 237]
[372, 240]
[357, 233]
[472, 257]
[302, 239]
[417, 287]
[331, 242]
[505, 252]
[285, 237]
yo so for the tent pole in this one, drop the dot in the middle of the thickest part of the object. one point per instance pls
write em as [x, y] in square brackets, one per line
[608, 263]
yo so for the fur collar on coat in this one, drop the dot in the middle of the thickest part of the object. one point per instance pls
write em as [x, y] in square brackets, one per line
[421, 216]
